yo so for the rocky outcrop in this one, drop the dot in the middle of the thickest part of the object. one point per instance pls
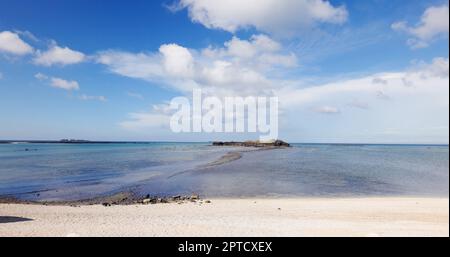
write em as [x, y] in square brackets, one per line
[174, 199]
[276, 143]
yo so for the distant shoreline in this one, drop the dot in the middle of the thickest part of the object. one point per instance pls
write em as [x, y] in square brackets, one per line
[206, 142]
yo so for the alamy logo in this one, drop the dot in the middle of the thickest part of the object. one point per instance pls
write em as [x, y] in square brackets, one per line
[229, 115]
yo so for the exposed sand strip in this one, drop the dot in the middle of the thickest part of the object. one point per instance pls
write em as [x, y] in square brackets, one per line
[235, 217]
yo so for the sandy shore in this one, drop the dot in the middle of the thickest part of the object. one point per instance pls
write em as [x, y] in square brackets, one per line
[235, 217]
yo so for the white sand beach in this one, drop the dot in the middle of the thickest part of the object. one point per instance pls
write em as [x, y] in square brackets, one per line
[235, 217]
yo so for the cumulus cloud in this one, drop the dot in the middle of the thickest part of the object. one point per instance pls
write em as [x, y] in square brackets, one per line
[433, 24]
[260, 51]
[11, 43]
[177, 61]
[57, 55]
[239, 66]
[271, 16]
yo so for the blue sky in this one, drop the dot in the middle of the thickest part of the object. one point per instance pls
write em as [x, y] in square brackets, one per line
[372, 71]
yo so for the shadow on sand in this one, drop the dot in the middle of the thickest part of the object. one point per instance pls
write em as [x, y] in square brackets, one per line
[11, 219]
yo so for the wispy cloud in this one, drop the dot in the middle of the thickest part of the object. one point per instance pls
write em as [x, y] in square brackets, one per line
[60, 83]
[64, 84]
[92, 98]
[433, 24]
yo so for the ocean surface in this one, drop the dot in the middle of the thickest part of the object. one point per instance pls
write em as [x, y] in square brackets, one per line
[81, 171]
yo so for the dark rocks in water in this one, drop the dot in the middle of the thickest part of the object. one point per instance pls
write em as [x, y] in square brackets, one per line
[122, 198]
[281, 143]
[276, 143]
[152, 200]
[176, 198]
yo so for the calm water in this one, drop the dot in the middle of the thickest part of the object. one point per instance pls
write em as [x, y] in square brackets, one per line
[69, 172]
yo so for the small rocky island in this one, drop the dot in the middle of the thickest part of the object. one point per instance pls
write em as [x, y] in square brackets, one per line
[275, 143]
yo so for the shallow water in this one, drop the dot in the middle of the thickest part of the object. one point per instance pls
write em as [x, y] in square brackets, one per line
[71, 172]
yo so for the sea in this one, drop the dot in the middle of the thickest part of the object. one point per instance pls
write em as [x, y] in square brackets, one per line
[58, 171]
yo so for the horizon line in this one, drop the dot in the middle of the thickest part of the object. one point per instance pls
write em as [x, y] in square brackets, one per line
[81, 141]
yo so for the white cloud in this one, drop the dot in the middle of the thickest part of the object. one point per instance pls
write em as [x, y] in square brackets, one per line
[11, 43]
[64, 84]
[177, 61]
[92, 98]
[139, 66]
[425, 80]
[439, 67]
[433, 24]
[424, 105]
[392, 104]
[57, 55]
[240, 66]
[259, 50]
[235, 69]
[271, 16]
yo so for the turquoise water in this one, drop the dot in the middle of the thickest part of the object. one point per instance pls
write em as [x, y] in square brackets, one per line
[71, 171]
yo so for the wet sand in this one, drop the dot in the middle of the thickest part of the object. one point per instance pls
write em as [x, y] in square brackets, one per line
[235, 217]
